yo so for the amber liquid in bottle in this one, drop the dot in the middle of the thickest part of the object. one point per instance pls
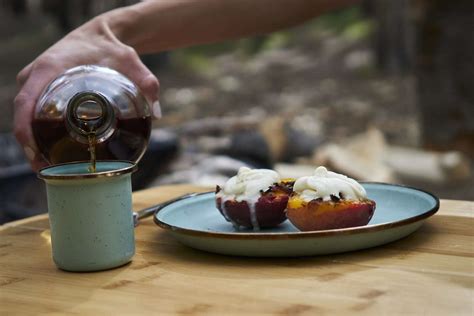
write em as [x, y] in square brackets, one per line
[126, 143]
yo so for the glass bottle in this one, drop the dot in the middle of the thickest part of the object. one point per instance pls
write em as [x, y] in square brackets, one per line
[91, 108]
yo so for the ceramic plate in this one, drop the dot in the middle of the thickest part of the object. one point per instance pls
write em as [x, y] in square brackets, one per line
[197, 223]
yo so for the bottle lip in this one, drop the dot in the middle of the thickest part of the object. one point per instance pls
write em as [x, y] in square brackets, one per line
[101, 126]
[79, 170]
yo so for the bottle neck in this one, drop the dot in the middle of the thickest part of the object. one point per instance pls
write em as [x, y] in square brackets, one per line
[89, 113]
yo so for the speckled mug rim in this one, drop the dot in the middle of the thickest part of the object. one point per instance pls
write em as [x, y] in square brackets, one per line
[132, 167]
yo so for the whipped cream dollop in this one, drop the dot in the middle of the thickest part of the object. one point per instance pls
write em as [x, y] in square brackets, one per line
[325, 183]
[248, 183]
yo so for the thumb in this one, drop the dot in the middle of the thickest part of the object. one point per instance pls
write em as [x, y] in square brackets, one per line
[146, 81]
[150, 87]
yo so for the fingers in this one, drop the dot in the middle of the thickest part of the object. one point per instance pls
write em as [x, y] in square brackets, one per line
[151, 85]
[135, 70]
[38, 164]
[25, 103]
[23, 75]
[23, 115]
[156, 109]
[24, 135]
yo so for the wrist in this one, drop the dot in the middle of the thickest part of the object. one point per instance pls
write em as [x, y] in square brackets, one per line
[117, 24]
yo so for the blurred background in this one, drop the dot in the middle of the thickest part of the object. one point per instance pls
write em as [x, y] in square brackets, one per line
[382, 91]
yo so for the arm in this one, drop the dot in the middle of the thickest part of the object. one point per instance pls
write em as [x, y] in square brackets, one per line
[114, 39]
[153, 26]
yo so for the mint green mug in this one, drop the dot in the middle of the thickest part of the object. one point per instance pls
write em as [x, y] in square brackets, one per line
[90, 214]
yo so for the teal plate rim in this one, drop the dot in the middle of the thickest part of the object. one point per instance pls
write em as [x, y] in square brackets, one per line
[301, 234]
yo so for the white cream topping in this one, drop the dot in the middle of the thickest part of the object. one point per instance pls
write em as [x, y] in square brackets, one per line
[248, 183]
[325, 183]
[246, 186]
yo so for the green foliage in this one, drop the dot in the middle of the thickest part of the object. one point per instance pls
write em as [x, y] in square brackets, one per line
[338, 21]
[349, 23]
[359, 30]
[198, 61]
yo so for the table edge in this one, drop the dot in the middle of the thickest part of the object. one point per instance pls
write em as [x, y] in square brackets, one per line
[34, 218]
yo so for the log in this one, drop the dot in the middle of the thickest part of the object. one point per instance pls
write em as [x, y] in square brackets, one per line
[360, 157]
[427, 166]
[368, 157]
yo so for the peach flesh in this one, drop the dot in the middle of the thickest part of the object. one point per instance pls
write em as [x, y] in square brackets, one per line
[269, 211]
[323, 215]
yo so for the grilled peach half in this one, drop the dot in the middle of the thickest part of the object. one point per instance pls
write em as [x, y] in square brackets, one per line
[268, 211]
[322, 215]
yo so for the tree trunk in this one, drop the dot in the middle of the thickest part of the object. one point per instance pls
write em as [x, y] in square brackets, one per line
[394, 35]
[445, 74]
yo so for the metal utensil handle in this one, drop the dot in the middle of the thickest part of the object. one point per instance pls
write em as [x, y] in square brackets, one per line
[146, 212]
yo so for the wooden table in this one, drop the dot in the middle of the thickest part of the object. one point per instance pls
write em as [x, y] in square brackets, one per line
[427, 273]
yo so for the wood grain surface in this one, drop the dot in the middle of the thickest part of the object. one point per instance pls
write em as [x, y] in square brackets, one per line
[427, 273]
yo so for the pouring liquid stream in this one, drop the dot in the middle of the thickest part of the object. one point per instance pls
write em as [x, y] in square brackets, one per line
[89, 114]
[92, 142]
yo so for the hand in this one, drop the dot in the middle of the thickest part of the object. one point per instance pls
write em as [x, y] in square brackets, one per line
[92, 43]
